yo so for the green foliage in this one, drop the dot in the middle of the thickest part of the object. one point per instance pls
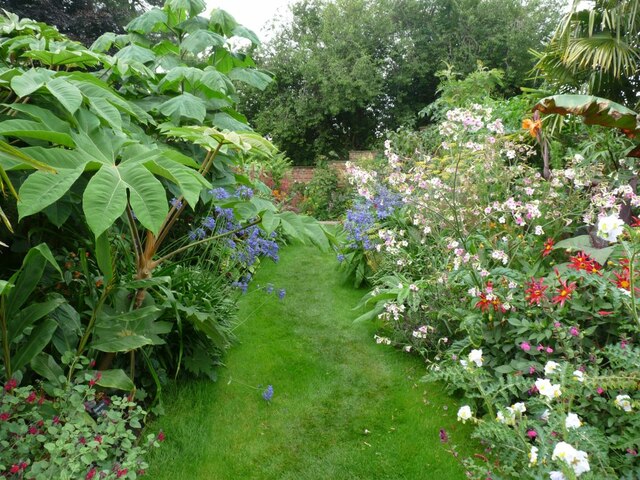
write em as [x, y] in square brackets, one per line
[72, 433]
[348, 70]
[326, 196]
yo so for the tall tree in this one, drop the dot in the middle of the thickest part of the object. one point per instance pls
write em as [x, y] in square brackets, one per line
[81, 20]
[346, 70]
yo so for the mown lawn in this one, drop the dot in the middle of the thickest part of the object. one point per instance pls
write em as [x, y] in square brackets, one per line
[343, 406]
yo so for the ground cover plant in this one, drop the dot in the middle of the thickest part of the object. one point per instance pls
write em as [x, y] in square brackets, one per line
[340, 406]
[518, 284]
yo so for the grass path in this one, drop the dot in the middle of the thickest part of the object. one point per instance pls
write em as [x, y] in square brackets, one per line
[343, 407]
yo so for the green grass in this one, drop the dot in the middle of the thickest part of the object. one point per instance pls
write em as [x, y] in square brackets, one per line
[344, 407]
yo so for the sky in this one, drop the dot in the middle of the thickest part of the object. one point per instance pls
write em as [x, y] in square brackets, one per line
[253, 14]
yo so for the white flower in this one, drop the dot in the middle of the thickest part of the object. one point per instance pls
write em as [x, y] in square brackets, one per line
[407, 348]
[576, 459]
[533, 456]
[465, 413]
[623, 402]
[519, 407]
[548, 390]
[572, 421]
[555, 475]
[578, 375]
[550, 367]
[610, 227]
[545, 415]
[476, 357]
[508, 419]
[538, 230]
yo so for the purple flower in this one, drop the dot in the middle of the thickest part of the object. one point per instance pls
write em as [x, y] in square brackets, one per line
[268, 393]
[281, 293]
[444, 438]
[340, 258]
[269, 288]
[243, 192]
[219, 193]
[175, 203]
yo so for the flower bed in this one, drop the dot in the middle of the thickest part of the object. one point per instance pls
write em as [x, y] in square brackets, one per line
[519, 291]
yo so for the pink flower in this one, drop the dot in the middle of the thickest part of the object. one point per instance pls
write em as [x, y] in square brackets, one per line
[549, 350]
[56, 420]
[540, 347]
[532, 370]
[91, 474]
[525, 346]
[532, 434]
[573, 331]
[600, 390]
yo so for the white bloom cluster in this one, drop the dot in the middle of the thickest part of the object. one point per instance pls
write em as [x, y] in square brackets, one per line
[550, 367]
[610, 228]
[572, 421]
[576, 459]
[623, 402]
[383, 340]
[547, 389]
[465, 413]
[475, 356]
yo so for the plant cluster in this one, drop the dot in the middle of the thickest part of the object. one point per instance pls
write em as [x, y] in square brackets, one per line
[519, 291]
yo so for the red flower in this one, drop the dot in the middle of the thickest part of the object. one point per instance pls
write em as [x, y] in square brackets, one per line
[31, 398]
[564, 292]
[98, 438]
[33, 430]
[636, 222]
[91, 474]
[604, 313]
[548, 246]
[4, 416]
[161, 436]
[10, 385]
[622, 279]
[582, 261]
[121, 472]
[483, 304]
[56, 420]
[15, 468]
[535, 292]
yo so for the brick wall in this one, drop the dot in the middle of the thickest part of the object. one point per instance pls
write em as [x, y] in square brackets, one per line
[305, 174]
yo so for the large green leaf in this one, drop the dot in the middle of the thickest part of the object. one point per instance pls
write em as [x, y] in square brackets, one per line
[29, 315]
[64, 57]
[135, 53]
[190, 182]
[244, 32]
[104, 199]
[251, 76]
[124, 343]
[46, 366]
[30, 81]
[36, 130]
[149, 21]
[38, 340]
[200, 40]
[116, 379]
[105, 110]
[595, 110]
[146, 194]
[42, 189]
[216, 81]
[223, 22]
[66, 93]
[28, 276]
[185, 105]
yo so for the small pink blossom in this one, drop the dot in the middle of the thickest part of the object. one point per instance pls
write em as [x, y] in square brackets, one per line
[526, 346]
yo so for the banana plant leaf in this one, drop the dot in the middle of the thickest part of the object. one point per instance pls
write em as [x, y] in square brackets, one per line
[595, 110]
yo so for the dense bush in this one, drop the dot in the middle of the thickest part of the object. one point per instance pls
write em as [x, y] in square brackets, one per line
[519, 291]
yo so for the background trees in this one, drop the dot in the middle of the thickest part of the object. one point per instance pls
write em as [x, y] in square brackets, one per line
[347, 70]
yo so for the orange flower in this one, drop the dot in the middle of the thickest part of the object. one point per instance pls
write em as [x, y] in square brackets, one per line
[534, 126]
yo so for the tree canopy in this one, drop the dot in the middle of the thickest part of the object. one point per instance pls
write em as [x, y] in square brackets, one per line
[346, 70]
[81, 20]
